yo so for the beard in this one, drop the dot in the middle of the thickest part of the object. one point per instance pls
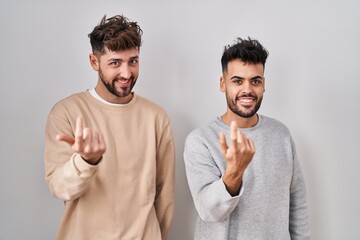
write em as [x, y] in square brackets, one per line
[235, 109]
[110, 86]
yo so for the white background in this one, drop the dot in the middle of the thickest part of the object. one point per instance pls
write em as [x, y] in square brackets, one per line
[312, 85]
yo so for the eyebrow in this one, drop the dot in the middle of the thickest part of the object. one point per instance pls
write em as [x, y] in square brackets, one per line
[236, 77]
[241, 78]
[119, 59]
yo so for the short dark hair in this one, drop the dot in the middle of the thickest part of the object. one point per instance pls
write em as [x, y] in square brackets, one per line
[247, 50]
[115, 33]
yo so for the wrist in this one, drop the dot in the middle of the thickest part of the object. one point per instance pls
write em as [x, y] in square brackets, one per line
[232, 183]
[234, 173]
[92, 162]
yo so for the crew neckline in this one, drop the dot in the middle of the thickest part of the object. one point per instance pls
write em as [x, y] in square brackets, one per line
[94, 97]
[257, 126]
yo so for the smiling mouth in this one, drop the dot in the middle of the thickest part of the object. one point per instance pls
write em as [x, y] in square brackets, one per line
[246, 101]
[123, 81]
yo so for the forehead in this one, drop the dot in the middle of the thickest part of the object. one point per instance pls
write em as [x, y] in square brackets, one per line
[239, 68]
[121, 54]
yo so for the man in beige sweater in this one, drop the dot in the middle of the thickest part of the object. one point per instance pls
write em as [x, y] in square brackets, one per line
[109, 153]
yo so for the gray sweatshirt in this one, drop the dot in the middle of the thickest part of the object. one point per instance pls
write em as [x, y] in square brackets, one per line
[272, 200]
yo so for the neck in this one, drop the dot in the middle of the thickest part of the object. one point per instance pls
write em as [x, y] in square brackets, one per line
[240, 121]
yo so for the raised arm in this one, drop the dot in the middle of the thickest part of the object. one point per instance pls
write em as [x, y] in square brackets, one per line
[216, 194]
[70, 167]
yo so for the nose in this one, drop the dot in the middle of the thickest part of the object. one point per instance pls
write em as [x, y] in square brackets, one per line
[246, 88]
[125, 71]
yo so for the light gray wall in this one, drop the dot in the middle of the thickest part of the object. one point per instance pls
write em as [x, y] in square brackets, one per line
[312, 86]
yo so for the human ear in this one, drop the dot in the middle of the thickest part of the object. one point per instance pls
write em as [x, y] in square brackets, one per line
[94, 62]
[264, 84]
[222, 84]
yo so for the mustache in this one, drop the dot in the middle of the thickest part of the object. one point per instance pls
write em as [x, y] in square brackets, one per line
[246, 95]
[125, 79]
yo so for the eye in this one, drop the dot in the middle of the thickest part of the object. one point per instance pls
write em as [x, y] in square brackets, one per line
[237, 81]
[133, 61]
[114, 63]
[257, 81]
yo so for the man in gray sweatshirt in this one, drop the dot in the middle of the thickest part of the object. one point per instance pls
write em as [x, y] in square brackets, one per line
[242, 167]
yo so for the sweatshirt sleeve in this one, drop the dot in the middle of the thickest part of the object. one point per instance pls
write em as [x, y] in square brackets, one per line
[165, 180]
[66, 173]
[211, 199]
[298, 219]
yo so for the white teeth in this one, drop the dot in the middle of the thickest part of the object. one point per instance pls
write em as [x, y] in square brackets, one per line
[123, 81]
[246, 100]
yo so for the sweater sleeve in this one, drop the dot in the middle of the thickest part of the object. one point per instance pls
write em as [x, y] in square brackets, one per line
[298, 219]
[165, 180]
[211, 199]
[66, 173]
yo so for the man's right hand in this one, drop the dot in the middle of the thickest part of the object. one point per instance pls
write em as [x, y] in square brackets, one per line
[88, 143]
[238, 156]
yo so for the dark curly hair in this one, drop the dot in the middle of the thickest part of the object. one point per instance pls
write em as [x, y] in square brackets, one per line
[115, 33]
[247, 50]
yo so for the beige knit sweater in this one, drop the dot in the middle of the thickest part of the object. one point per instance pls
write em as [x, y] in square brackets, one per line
[130, 193]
